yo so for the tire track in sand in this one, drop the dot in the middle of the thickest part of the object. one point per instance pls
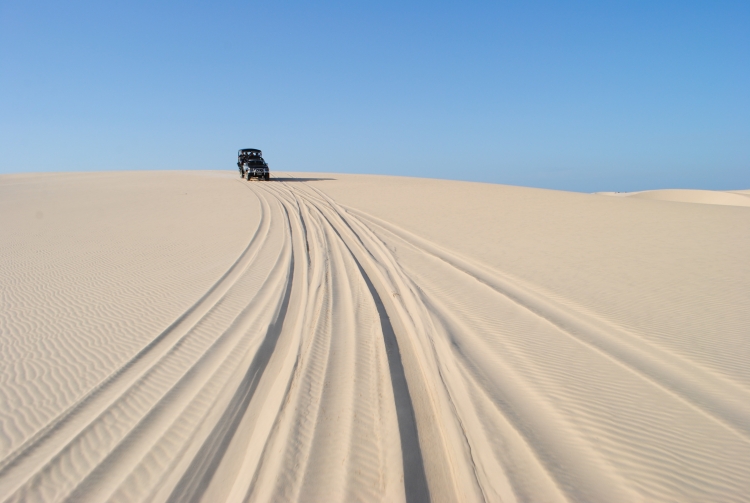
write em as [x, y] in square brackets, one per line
[325, 364]
[548, 429]
[97, 398]
[347, 328]
[57, 460]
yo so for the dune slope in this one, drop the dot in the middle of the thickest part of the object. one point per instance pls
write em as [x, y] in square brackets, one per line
[197, 337]
[726, 198]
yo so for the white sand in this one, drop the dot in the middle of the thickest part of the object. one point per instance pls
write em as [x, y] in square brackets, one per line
[190, 336]
[727, 198]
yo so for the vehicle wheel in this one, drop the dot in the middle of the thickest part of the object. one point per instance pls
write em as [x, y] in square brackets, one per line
[268, 177]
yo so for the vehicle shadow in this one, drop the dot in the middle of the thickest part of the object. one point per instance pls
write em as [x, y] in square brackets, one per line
[283, 179]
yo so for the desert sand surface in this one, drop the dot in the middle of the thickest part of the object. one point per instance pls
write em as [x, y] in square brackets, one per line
[192, 336]
[728, 198]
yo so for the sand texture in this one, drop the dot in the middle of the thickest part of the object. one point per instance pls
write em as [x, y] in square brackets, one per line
[191, 336]
[727, 198]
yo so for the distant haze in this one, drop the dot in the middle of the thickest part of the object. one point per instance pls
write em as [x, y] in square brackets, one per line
[567, 95]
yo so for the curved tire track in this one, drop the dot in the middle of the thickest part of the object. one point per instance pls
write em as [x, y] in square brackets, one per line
[330, 362]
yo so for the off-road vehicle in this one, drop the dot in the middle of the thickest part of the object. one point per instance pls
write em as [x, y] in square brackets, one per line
[251, 164]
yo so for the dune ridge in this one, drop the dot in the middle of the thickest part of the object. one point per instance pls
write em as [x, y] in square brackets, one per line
[727, 198]
[360, 338]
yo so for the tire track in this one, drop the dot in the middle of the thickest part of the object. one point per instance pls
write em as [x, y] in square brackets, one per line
[197, 477]
[449, 468]
[130, 371]
[89, 300]
[696, 385]
[62, 438]
[580, 480]
[415, 480]
[322, 396]
[341, 358]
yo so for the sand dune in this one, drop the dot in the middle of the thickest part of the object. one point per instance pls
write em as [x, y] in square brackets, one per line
[728, 198]
[196, 337]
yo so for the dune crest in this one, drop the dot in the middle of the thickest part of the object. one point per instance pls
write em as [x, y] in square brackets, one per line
[196, 337]
[725, 198]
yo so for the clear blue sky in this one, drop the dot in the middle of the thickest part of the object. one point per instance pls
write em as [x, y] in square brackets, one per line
[570, 95]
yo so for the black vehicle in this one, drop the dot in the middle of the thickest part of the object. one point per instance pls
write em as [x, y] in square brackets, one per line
[251, 164]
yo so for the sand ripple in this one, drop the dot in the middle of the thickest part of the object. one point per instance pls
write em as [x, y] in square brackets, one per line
[292, 348]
